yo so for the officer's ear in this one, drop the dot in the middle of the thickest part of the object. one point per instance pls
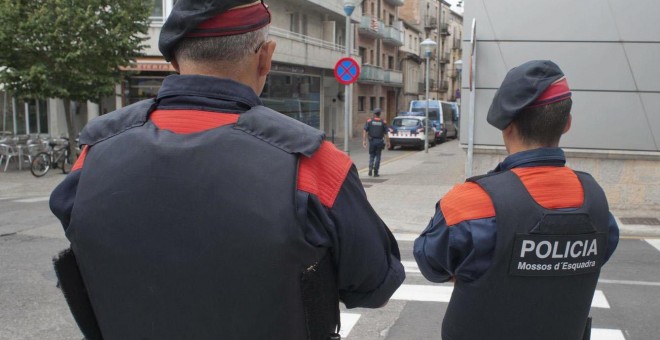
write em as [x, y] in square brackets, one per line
[568, 123]
[266, 57]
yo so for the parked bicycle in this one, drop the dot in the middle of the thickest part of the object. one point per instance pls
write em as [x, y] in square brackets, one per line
[57, 157]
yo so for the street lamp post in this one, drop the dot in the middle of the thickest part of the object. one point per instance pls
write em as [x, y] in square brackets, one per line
[349, 6]
[458, 64]
[428, 45]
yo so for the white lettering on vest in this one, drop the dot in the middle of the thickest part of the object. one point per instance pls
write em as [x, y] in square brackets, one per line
[593, 249]
[527, 246]
[547, 253]
[573, 253]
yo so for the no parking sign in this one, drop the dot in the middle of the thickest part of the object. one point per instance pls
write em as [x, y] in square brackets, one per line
[347, 71]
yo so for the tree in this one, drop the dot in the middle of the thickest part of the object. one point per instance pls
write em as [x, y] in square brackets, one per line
[69, 49]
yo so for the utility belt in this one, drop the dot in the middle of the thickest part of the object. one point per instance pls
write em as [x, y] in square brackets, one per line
[376, 138]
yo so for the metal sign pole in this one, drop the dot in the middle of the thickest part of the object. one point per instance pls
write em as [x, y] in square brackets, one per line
[472, 80]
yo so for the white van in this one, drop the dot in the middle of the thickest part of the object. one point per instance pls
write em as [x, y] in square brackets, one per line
[440, 114]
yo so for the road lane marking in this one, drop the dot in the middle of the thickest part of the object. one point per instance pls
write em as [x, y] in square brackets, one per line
[654, 242]
[410, 267]
[599, 300]
[33, 200]
[626, 282]
[606, 334]
[423, 293]
[348, 321]
[405, 237]
[429, 293]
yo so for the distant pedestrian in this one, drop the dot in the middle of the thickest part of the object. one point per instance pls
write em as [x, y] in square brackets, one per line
[375, 133]
[526, 242]
[202, 214]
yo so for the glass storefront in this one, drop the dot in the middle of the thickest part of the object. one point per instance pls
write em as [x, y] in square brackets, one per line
[295, 95]
[23, 117]
[142, 87]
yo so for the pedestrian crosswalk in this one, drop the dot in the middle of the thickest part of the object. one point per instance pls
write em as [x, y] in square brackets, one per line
[442, 294]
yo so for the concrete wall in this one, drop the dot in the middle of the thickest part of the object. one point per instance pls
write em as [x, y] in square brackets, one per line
[609, 52]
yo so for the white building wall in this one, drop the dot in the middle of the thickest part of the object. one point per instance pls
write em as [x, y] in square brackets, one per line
[609, 52]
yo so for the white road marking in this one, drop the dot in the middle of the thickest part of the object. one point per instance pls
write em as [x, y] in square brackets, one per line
[348, 320]
[626, 282]
[429, 293]
[33, 200]
[599, 300]
[410, 267]
[654, 242]
[606, 334]
[423, 293]
[406, 237]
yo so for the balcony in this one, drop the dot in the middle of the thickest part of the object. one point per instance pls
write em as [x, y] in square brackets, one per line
[457, 44]
[305, 50]
[393, 35]
[370, 74]
[421, 87]
[430, 22]
[444, 58]
[444, 29]
[372, 27]
[393, 78]
[452, 73]
[444, 86]
[396, 3]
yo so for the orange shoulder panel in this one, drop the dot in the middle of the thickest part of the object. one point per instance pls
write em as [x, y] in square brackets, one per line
[81, 159]
[552, 187]
[191, 121]
[467, 201]
[324, 173]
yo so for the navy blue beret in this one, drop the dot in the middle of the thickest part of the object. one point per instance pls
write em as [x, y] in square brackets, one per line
[522, 87]
[195, 18]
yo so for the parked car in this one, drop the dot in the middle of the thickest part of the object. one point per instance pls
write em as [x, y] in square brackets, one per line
[440, 113]
[409, 131]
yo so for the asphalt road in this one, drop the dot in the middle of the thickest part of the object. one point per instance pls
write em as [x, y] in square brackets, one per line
[625, 306]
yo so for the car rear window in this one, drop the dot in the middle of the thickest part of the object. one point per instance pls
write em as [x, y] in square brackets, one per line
[405, 122]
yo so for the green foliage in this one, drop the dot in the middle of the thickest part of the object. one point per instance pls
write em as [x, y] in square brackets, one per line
[69, 49]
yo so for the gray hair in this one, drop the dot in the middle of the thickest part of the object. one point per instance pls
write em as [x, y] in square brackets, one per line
[232, 48]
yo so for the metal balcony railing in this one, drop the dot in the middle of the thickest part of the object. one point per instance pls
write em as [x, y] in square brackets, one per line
[371, 27]
[430, 22]
[393, 77]
[395, 2]
[444, 58]
[286, 34]
[371, 74]
[393, 34]
[444, 29]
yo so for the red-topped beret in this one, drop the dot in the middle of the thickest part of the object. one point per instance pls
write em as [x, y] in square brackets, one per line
[534, 83]
[194, 18]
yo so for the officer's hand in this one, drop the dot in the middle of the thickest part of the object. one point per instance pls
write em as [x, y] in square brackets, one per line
[388, 145]
[364, 144]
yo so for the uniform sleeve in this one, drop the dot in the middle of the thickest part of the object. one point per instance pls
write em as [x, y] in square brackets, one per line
[63, 196]
[463, 250]
[613, 237]
[366, 126]
[368, 258]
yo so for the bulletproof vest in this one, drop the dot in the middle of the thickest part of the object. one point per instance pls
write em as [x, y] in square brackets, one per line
[196, 236]
[544, 272]
[376, 128]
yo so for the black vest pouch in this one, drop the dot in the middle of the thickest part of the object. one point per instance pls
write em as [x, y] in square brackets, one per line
[320, 296]
[71, 283]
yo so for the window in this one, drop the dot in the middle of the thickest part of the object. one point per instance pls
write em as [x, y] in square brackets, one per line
[372, 102]
[361, 102]
[371, 60]
[363, 54]
[295, 22]
[382, 102]
[410, 41]
[390, 63]
[161, 9]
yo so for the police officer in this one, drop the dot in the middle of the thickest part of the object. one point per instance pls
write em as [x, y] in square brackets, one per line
[375, 129]
[202, 214]
[526, 242]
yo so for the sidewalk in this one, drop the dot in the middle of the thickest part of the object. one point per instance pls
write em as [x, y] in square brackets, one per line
[405, 194]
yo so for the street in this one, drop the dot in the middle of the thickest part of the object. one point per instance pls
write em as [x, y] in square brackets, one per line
[31, 307]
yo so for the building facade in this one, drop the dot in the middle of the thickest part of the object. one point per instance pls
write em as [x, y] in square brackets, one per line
[380, 35]
[609, 53]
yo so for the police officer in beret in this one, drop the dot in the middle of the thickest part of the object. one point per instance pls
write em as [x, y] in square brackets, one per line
[202, 214]
[375, 130]
[524, 243]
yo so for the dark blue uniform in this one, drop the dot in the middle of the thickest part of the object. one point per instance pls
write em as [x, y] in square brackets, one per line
[376, 129]
[205, 215]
